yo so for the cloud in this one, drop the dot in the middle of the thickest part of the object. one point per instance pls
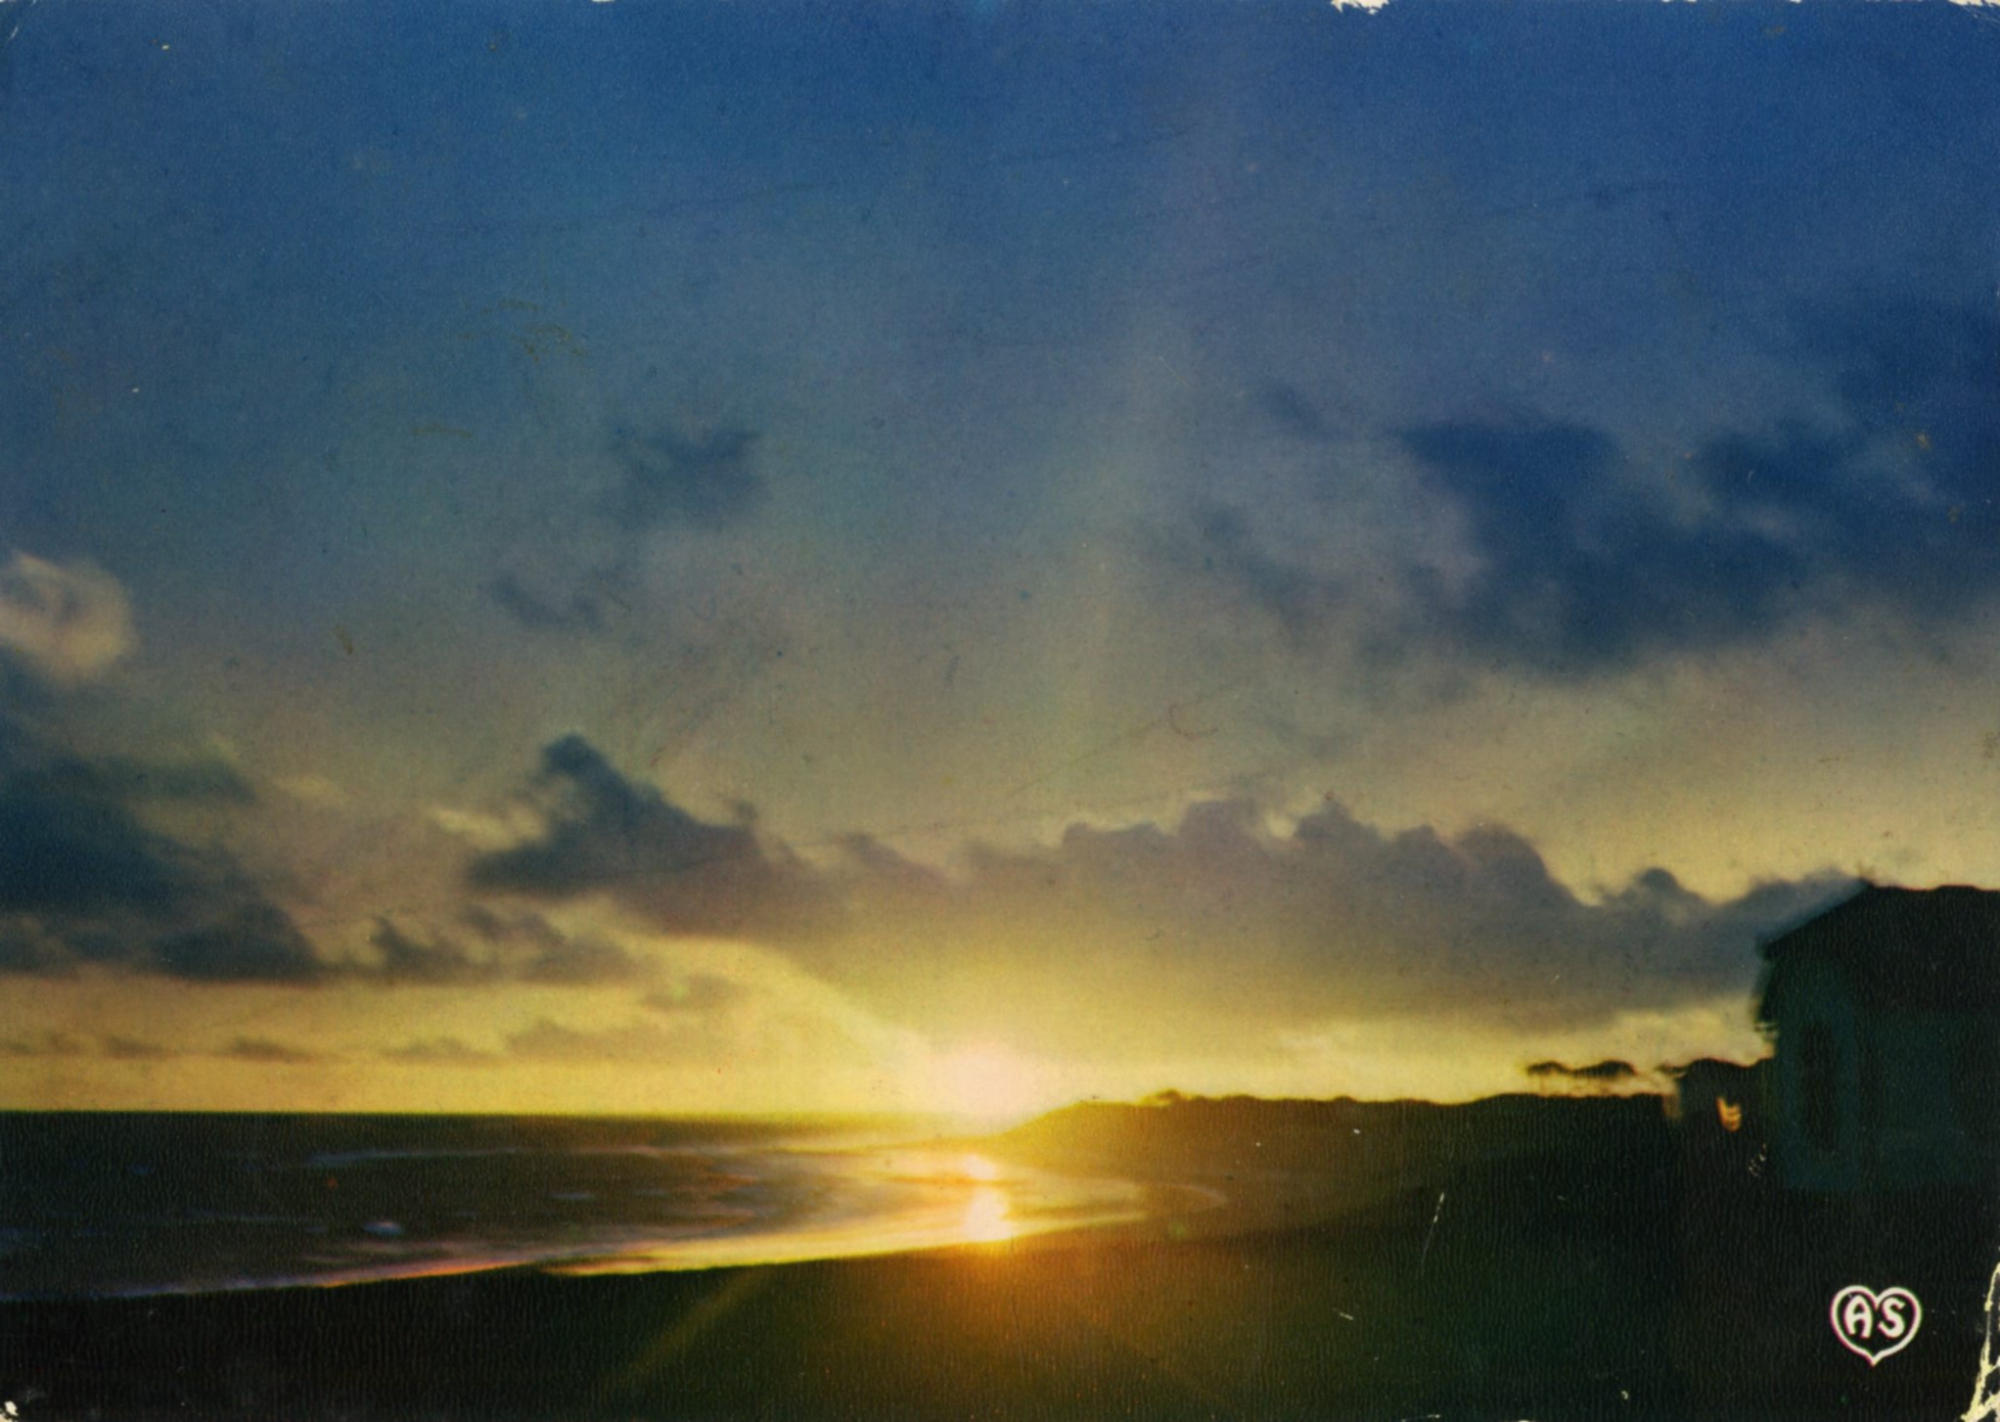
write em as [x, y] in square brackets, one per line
[441, 1051]
[257, 942]
[519, 947]
[64, 623]
[512, 931]
[48, 1044]
[605, 833]
[643, 1041]
[84, 881]
[315, 790]
[258, 1049]
[63, 1044]
[703, 481]
[1581, 569]
[1608, 1070]
[74, 848]
[1220, 918]
[698, 993]
[1222, 924]
[488, 832]
[1903, 367]
[579, 961]
[1570, 557]
[572, 613]
[1291, 412]
[407, 959]
[132, 1049]
[732, 1005]
[199, 782]
[1300, 600]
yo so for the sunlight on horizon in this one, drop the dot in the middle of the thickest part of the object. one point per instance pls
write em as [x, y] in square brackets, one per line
[989, 1084]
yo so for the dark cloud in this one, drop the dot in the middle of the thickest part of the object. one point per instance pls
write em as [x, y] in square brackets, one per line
[74, 848]
[1889, 503]
[866, 859]
[26, 946]
[408, 959]
[634, 1042]
[1582, 570]
[258, 1049]
[1226, 551]
[131, 1049]
[1904, 367]
[1332, 920]
[64, 1044]
[201, 782]
[521, 947]
[580, 961]
[621, 837]
[511, 931]
[256, 943]
[1583, 562]
[84, 880]
[698, 993]
[440, 1051]
[572, 612]
[1607, 1070]
[1288, 409]
[703, 481]
[1596, 1079]
[47, 1044]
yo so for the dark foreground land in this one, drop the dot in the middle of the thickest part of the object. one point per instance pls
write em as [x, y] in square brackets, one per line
[1573, 1275]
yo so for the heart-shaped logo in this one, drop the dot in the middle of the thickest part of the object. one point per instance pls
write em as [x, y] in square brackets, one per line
[1875, 1325]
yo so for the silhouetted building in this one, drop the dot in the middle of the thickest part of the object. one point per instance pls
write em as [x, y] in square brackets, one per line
[1886, 1014]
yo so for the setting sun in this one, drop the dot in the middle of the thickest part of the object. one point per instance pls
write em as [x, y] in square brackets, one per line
[988, 1084]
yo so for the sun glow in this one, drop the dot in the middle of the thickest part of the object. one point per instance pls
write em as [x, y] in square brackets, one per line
[987, 1219]
[988, 1084]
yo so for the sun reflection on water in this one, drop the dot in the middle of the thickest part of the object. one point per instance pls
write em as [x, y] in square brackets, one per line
[880, 1202]
[988, 1215]
[987, 1220]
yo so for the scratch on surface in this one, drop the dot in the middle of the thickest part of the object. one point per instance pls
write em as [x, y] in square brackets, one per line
[1431, 1233]
[15, 28]
[1985, 1405]
[1135, 733]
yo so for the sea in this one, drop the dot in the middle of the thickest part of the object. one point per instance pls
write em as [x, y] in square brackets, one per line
[115, 1204]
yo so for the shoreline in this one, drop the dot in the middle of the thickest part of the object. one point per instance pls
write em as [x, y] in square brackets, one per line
[1382, 1314]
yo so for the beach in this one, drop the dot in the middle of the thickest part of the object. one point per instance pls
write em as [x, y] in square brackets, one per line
[1540, 1286]
[1356, 1322]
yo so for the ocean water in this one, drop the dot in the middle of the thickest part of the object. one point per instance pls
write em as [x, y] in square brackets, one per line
[117, 1204]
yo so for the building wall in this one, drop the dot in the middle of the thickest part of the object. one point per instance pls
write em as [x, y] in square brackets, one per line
[1871, 1101]
[1917, 1135]
[1816, 1136]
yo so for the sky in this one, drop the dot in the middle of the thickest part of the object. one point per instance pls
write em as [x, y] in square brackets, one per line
[768, 557]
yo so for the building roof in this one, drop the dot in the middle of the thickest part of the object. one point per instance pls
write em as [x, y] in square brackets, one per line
[1904, 950]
